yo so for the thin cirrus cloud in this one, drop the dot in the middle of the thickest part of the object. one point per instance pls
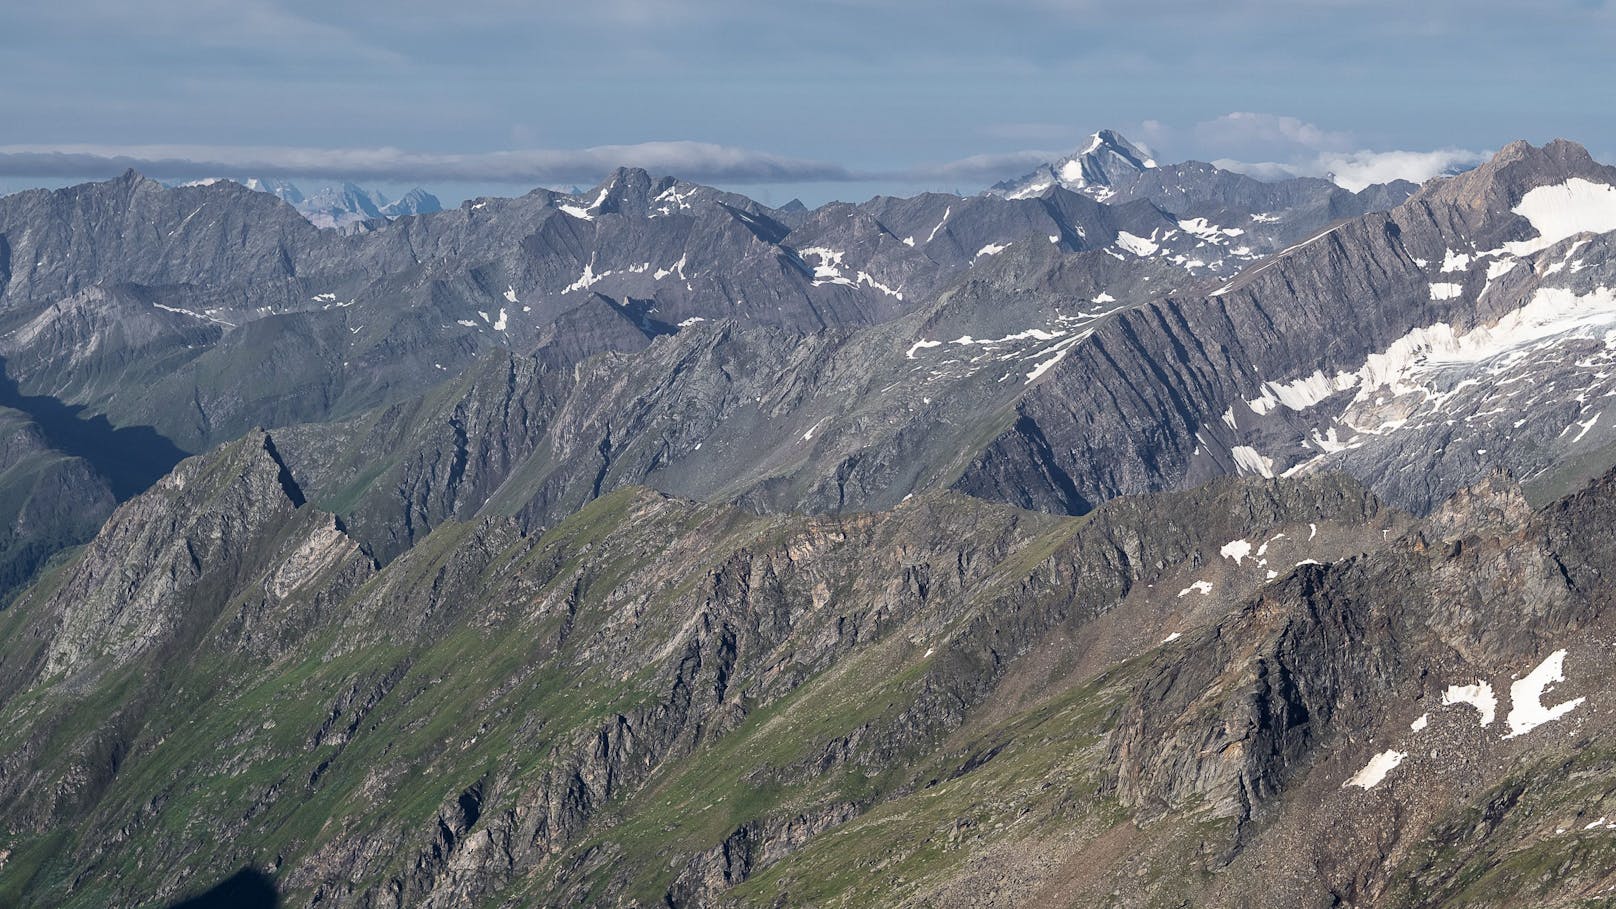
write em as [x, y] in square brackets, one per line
[987, 168]
[691, 160]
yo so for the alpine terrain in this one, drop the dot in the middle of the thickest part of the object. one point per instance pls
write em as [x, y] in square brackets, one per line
[1128, 534]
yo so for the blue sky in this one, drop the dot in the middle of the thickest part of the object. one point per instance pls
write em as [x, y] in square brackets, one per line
[822, 99]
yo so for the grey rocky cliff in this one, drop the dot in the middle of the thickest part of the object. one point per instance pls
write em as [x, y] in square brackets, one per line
[1277, 369]
[1262, 718]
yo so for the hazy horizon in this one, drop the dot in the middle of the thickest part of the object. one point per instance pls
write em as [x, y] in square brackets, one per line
[818, 100]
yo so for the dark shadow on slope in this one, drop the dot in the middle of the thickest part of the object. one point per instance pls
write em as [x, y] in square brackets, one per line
[248, 888]
[131, 458]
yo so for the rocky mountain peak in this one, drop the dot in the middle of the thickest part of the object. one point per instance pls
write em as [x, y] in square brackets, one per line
[1109, 143]
[1516, 169]
[1106, 164]
[415, 202]
[628, 190]
[281, 189]
[1526, 198]
[132, 177]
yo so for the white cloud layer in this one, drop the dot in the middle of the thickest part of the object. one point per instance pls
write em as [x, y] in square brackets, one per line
[1276, 146]
[1299, 149]
[1355, 170]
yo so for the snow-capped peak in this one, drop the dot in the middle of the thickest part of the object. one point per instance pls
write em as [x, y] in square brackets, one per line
[1106, 160]
[1111, 142]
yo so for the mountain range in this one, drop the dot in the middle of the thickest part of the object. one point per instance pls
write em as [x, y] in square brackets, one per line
[1128, 534]
[344, 206]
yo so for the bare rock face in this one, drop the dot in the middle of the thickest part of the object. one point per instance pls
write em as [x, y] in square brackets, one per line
[1391, 346]
[48, 500]
[196, 528]
[1355, 666]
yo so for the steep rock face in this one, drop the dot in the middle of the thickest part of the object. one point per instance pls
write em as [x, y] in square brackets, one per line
[398, 472]
[1368, 655]
[1121, 411]
[831, 423]
[197, 527]
[135, 230]
[48, 501]
[221, 533]
[1382, 345]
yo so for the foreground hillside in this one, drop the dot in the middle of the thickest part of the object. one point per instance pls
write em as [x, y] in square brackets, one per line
[659, 701]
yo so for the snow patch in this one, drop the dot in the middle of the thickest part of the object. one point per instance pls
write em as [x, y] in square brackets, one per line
[1375, 771]
[587, 280]
[1201, 587]
[1249, 460]
[1208, 231]
[1479, 696]
[206, 317]
[829, 269]
[1037, 334]
[677, 269]
[1552, 313]
[1236, 549]
[1557, 212]
[1057, 352]
[910, 355]
[1300, 394]
[864, 278]
[1032, 190]
[1446, 291]
[1584, 427]
[1526, 710]
[1139, 246]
